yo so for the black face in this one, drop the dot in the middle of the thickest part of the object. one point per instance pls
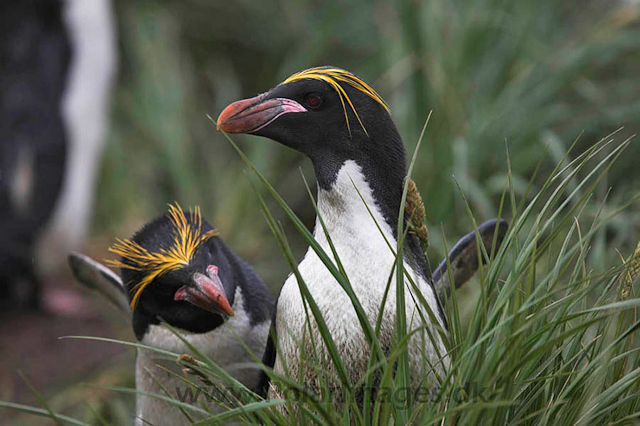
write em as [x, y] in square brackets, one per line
[184, 298]
[321, 129]
[308, 115]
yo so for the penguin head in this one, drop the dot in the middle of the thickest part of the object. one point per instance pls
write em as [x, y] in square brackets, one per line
[173, 271]
[328, 114]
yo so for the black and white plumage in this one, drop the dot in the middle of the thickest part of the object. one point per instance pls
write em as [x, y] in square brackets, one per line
[345, 129]
[85, 106]
[177, 270]
[358, 155]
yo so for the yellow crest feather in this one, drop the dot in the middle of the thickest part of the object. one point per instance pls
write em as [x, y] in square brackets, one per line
[187, 238]
[335, 76]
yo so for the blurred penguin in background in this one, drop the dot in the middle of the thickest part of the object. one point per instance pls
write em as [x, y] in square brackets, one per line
[56, 67]
[36, 53]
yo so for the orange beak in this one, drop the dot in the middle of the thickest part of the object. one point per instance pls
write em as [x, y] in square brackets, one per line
[251, 115]
[206, 292]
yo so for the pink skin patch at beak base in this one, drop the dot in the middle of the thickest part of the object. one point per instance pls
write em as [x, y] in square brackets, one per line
[251, 115]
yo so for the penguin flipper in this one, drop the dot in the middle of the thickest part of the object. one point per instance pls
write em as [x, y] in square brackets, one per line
[97, 277]
[463, 257]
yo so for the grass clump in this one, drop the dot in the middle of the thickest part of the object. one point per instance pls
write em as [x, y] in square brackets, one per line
[550, 339]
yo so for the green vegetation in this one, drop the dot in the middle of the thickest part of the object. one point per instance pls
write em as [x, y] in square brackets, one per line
[521, 92]
[530, 75]
[550, 341]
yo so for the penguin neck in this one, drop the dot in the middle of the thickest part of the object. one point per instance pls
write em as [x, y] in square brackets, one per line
[358, 206]
[353, 180]
[349, 205]
[193, 321]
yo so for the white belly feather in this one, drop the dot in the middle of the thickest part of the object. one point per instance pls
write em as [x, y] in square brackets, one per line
[221, 345]
[368, 261]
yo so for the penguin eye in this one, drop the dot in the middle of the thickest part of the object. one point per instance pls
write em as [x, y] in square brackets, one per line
[313, 100]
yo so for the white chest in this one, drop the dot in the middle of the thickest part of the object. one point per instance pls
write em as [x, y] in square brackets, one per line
[222, 345]
[363, 241]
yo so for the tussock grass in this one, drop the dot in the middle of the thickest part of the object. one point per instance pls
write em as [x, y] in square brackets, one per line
[533, 72]
[551, 340]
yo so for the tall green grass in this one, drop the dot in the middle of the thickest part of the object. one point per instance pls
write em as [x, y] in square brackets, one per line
[529, 75]
[550, 340]
[533, 73]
